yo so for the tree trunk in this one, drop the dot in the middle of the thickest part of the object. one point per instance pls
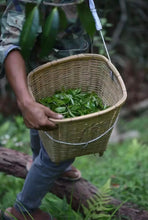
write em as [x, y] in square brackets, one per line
[14, 163]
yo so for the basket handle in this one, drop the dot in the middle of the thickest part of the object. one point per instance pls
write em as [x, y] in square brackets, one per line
[81, 143]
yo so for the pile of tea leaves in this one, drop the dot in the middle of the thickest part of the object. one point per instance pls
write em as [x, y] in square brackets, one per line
[74, 102]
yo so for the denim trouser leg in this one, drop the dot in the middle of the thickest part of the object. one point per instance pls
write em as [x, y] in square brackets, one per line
[35, 142]
[39, 180]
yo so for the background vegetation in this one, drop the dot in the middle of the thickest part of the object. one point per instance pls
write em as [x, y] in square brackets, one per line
[124, 163]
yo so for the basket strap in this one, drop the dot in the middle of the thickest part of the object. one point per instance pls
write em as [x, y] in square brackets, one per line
[85, 144]
[99, 28]
[98, 24]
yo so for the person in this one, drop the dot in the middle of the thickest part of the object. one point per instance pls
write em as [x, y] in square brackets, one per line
[42, 172]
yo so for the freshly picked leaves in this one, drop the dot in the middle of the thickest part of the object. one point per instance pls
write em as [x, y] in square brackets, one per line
[74, 102]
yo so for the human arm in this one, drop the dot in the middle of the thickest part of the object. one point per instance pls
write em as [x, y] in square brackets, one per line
[35, 115]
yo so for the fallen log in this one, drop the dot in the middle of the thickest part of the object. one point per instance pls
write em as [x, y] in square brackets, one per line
[14, 163]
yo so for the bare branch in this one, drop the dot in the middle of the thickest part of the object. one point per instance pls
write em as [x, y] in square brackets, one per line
[120, 26]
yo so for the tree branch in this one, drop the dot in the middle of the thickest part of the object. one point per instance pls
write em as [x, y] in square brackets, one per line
[120, 25]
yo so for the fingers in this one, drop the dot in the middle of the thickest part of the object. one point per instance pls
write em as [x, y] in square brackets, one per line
[41, 125]
[51, 114]
[38, 117]
[48, 125]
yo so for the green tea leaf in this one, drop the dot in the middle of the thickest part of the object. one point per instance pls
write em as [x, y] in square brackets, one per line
[73, 102]
[60, 109]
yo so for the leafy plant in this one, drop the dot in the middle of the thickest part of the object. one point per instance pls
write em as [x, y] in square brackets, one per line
[14, 134]
[74, 102]
[51, 25]
[59, 208]
[50, 28]
[98, 206]
[29, 31]
[86, 19]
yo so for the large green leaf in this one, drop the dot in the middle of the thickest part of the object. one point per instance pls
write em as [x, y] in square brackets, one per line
[50, 30]
[62, 19]
[28, 8]
[86, 18]
[29, 32]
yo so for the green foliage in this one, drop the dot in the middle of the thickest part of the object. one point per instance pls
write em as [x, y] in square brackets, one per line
[10, 186]
[55, 22]
[98, 207]
[125, 164]
[86, 19]
[74, 102]
[59, 208]
[14, 134]
[29, 31]
[62, 19]
[50, 30]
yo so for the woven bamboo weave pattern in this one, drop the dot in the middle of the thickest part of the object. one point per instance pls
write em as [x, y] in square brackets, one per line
[90, 72]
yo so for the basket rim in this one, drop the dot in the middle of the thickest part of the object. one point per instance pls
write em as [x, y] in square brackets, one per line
[78, 57]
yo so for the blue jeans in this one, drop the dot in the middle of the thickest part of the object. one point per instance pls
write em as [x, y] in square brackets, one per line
[41, 176]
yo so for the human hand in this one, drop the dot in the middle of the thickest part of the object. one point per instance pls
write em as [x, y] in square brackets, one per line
[38, 116]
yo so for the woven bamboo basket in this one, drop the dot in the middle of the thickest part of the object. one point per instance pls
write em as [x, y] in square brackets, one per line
[88, 134]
